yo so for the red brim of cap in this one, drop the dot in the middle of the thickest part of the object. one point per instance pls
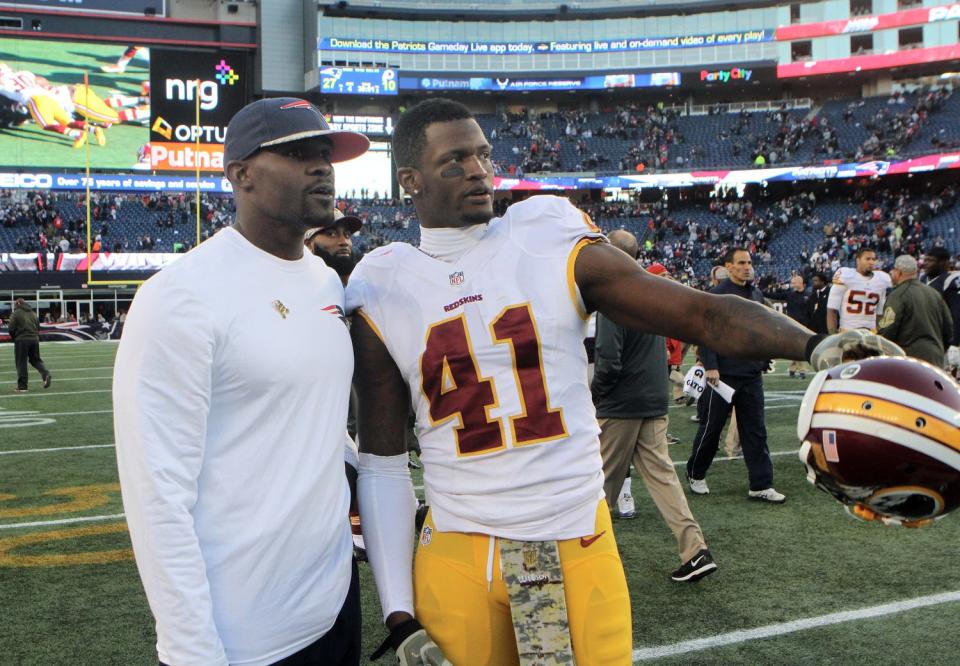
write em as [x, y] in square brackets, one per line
[347, 146]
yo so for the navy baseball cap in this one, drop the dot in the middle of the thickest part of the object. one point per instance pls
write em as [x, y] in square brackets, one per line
[270, 122]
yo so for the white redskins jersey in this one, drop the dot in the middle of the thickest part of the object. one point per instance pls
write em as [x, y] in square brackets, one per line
[858, 298]
[21, 86]
[491, 347]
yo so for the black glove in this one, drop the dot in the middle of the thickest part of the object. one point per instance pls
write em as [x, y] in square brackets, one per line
[413, 646]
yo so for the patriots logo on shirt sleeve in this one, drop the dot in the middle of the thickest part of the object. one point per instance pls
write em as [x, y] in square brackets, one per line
[336, 311]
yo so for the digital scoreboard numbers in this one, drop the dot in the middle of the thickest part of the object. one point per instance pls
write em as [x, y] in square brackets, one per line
[358, 81]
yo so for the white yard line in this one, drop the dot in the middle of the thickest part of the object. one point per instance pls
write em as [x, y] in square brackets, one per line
[64, 521]
[46, 394]
[36, 380]
[771, 630]
[45, 414]
[57, 448]
[102, 367]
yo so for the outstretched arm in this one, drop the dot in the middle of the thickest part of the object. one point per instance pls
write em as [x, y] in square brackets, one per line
[614, 284]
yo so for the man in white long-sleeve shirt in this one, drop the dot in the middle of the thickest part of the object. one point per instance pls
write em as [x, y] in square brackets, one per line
[229, 449]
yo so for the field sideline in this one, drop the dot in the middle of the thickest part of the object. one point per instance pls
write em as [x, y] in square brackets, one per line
[801, 583]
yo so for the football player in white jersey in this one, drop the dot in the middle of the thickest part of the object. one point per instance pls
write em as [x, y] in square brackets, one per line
[481, 330]
[857, 294]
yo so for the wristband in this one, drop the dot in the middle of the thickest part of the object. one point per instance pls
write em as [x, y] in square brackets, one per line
[812, 344]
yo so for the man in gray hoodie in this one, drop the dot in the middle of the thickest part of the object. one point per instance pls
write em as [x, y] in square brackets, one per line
[631, 392]
[24, 329]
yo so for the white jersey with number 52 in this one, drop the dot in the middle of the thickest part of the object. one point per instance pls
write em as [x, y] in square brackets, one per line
[858, 298]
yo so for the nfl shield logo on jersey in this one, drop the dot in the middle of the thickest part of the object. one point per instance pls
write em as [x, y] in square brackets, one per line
[426, 536]
[456, 279]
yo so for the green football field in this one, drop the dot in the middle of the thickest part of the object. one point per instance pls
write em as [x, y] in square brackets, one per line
[64, 63]
[801, 583]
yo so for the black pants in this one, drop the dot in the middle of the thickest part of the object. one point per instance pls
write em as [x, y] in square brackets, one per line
[341, 645]
[713, 412]
[27, 351]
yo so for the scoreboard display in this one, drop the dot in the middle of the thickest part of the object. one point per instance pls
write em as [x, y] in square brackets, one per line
[358, 81]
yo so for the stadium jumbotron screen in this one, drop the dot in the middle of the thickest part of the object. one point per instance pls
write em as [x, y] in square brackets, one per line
[48, 116]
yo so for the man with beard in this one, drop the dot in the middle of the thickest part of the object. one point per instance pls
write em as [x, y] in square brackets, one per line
[228, 445]
[334, 244]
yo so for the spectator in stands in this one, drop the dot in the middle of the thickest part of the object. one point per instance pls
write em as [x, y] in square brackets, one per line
[744, 377]
[915, 316]
[24, 330]
[222, 500]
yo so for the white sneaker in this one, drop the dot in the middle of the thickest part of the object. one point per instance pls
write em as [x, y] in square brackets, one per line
[625, 506]
[767, 495]
[698, 486]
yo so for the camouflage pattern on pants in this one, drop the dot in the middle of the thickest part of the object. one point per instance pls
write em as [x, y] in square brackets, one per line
[534, 580]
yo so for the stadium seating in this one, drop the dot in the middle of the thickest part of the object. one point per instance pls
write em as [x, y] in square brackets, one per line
[716, 136]
[664, 233]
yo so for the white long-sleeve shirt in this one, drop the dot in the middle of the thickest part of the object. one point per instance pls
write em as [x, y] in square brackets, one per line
[231, 388]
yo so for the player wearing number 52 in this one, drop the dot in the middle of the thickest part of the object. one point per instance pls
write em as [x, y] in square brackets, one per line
[482, 328]
[857, 295]
[915, 316]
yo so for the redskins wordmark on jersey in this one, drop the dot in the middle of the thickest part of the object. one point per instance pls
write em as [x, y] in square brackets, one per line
[491, 347]
[858, 298]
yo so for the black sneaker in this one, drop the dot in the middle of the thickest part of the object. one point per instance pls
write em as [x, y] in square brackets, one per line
[695, 568]
[47, 380]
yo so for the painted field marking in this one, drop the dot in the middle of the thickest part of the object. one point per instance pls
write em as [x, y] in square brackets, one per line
[772, 630]
[57, 448]
[35, 394]
[68, 379]
[102, 367]
[64, 521]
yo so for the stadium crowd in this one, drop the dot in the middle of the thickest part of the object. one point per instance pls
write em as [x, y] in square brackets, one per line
[687, 237]
[635, 137]
[38, 221]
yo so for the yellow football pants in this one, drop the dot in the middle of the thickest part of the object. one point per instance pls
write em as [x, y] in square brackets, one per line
[46, 111]
[469, 616]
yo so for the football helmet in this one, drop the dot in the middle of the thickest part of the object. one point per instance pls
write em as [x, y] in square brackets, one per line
[882, 435]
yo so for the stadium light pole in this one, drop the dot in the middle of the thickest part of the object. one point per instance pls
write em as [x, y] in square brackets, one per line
[196, 159]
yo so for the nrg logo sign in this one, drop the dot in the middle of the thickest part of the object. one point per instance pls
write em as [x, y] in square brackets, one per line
[208, 92]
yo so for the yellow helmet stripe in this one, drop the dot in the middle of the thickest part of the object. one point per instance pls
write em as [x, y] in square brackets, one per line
[889, 412]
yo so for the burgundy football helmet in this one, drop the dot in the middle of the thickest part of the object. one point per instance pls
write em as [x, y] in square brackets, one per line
[882, 435]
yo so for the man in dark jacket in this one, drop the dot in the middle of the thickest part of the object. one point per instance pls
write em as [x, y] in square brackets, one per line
[631, 391]
[936, 266]
[797, 309]
[817, 303]
[745, 377]
[915, 316]
[24, 328]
